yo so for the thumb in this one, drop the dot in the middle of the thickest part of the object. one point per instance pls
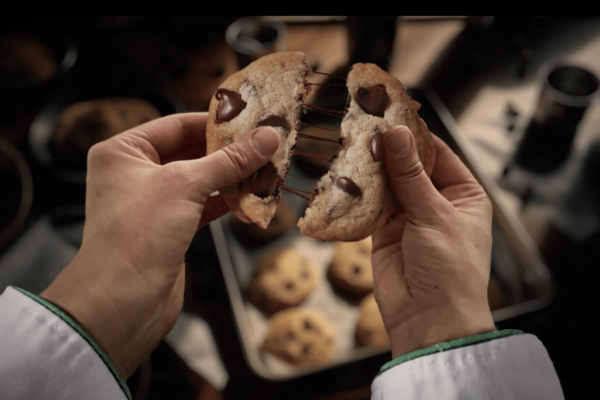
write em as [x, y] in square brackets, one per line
[409, 182]
[236, 162]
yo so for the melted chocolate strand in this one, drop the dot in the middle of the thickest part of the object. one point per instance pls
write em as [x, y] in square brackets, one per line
[299, 177]
[376, 146]
[325, 84]
[373, 100]
[231, 104]
[300, 153]
[348, 186]
[323, 73]
[291, 190]
[304, 125]
[305, 136]
[332, 113]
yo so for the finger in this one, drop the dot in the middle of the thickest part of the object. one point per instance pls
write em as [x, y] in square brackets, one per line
[162, 138]
[410, 184]
[448, 170]
[215, 207]
[235, 162]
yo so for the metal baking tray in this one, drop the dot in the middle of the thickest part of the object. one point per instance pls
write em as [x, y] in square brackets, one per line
[517, 266]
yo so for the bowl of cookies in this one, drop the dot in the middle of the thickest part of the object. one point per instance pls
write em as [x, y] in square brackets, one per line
[67, 127]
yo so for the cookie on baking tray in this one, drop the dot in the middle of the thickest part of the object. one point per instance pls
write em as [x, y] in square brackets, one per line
[354, 198]
[300, 337]
[284, 278]
[370, 330]
[350, 268]
[268, 92]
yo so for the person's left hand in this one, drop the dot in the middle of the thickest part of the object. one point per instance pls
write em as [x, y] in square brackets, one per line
[148, 191]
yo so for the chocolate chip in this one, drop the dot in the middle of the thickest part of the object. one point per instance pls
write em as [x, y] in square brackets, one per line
[231, 104]
[348, 186]
[263, 182]
[356, 269]
[276, 121]
[308, 325]
[376, 146]
[290, 336]
[372, 100]
[306, 348]
[290, 286]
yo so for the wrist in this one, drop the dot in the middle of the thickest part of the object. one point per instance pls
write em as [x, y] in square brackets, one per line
[437, 326]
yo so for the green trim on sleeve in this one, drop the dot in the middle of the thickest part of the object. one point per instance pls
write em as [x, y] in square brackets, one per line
[88, 338]
[451, 345]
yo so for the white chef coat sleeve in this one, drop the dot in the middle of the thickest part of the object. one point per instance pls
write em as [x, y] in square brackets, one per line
[505, 364]
[45, 354]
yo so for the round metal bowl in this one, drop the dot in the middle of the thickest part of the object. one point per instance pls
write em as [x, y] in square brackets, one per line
[42, 128]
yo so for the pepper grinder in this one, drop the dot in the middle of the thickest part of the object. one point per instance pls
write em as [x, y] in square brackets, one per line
[566, 93]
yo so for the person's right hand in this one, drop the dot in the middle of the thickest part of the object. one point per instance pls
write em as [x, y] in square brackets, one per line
[431, 260]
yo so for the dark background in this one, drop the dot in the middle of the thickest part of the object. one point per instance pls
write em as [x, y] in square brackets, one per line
[136, 52]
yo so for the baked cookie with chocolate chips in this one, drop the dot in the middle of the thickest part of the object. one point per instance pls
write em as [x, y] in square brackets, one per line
[300, 337]
[370, 330]
[354, 198]
[350, 268]
[268, 92]
[284, 278]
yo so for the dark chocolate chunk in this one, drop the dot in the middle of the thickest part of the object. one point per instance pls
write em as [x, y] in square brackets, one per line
[308, 325]
[263, 181]
[290, 285]
[275, 121]
[373, 100]
[356, 269]
[376, 146]
[348, 186]
[231, 104]
[306, 348]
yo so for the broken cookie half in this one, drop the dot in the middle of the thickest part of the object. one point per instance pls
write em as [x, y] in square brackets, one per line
[354, 198]
[268, 92]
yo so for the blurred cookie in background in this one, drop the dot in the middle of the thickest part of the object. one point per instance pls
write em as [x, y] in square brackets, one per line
[370, 330]
[83, 124]
[284, 278]
[23, 57]
[195, 78]
[252, 235]
[300, 337]
[350, 268]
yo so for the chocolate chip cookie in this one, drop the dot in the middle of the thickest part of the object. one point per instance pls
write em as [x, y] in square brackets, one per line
[268, 92]
[350, 267]
[300, 337]
[284, 278]
[370, 330]
[354, 198]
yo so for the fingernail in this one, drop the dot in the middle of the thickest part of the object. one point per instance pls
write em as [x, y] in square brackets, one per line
[399, 143]
[265, 141]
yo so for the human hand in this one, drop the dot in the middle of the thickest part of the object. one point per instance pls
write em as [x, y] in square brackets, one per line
[431, 260]
[148, 191]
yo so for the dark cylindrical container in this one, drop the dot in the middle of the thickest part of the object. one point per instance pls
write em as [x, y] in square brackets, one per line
[566, 93]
